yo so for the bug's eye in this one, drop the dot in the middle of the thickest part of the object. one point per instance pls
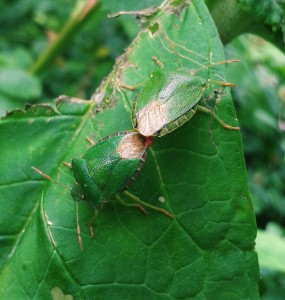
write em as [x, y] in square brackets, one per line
[219, 92]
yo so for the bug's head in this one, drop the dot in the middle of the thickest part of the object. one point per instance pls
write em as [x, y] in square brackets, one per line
[77, 193]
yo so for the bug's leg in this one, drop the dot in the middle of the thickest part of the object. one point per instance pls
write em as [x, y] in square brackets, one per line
[142, 203]
[128, 87]
[157, 61]
[78, 228]
[211, 112]
[49, 178]
[90, 140]
[90, 224]
[67, 164]
[136, 205]
[122, 85]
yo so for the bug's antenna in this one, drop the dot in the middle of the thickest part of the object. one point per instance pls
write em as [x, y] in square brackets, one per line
[174, 46]
[49, 178]
[78, 228]
[229, 61]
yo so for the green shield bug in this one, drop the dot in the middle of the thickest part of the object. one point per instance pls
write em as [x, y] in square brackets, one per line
[168, 100]
[107, 169]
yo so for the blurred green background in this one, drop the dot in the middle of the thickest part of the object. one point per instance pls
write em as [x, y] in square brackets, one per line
[27, 28]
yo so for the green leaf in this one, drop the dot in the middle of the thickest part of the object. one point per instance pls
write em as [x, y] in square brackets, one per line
[17, 58]
[14, 11]
[269, 15]
[115, 6]
[17, 83]
[270, 257]
[267, 11]
[197, 173]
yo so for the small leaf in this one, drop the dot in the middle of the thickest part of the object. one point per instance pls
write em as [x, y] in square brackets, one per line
[18, 58]
[270, 257]
[19, 84]
[269, 12]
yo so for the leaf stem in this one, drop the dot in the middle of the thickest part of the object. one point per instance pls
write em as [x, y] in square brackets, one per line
[76, 20]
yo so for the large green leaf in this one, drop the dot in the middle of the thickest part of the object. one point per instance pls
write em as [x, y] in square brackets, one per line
[206, 252]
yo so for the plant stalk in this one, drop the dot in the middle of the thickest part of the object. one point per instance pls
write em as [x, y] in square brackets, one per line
[76, 20]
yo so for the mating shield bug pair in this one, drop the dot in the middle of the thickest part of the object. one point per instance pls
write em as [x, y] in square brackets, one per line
[167, 101]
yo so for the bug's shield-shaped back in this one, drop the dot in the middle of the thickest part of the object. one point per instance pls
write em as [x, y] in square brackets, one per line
[109, 166]
[164, 99]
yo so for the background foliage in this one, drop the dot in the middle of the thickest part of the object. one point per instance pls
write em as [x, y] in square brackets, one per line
[26, 27]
